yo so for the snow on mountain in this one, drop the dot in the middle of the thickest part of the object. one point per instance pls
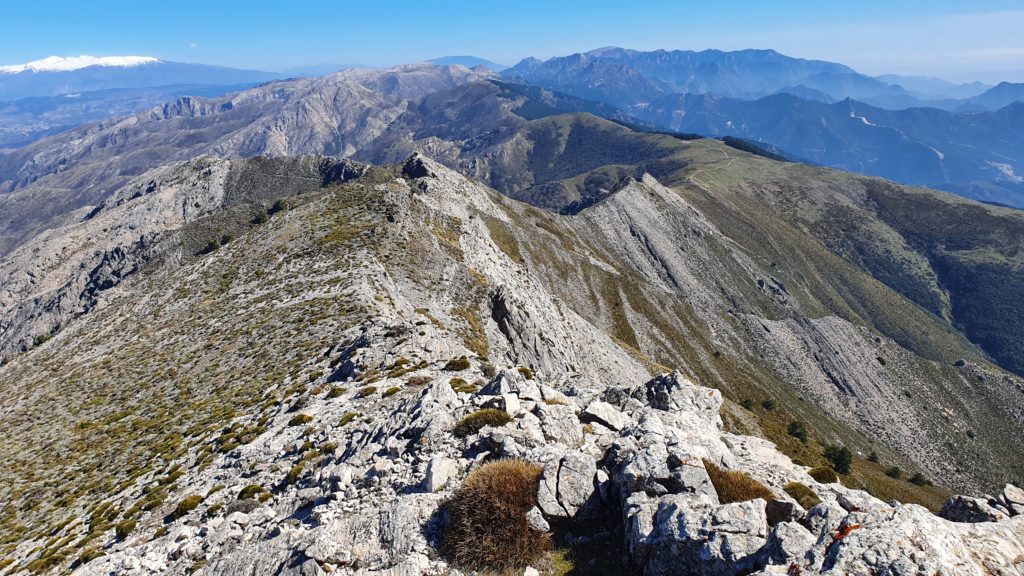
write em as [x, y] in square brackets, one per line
[62, 64]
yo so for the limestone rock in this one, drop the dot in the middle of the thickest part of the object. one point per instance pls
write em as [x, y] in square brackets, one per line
[605, 414]
[968, 509]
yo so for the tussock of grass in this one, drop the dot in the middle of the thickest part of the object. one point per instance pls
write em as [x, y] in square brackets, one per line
[487, 527]
[477, 420]
[457, 364]
[735, 486]
[823, 474]
[187, 505]
[803, 495]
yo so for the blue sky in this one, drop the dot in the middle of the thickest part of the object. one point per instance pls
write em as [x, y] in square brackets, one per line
[958, 39]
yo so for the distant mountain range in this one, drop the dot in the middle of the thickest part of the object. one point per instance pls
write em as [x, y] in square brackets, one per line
[54, 76]
[468, 62]
[631, 78]
[814, 111]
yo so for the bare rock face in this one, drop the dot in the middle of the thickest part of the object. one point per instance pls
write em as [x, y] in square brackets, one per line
[968, 509]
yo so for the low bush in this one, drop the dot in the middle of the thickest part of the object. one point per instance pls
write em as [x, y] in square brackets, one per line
[461, 386]
[335, 392]
[457, 364]
[803, 495]
[747, 403]
[735, 486]
[187, 505]
[840, 457]
[797, 430]
[919, 479]
[390, 391]
[526, 372]
[419, 380]
[124, 528]
[874, 457]
[477, 420]
[768, 405]
[250, 491]
[367, 391]
[894, 472]
[487, 528]
[823, 474]
[300, 419]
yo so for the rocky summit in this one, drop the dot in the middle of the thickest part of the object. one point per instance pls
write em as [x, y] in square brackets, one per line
[292, 366]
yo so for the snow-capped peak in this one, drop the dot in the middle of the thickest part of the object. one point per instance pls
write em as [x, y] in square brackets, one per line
[61, 64]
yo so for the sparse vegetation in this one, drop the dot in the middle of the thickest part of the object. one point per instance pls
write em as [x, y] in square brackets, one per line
[803, 495]
[797, 430]
[734, 485]
[474, 422]
[390, 391]
[457, 364]
[366, 391]
[188, 504]
[823, 474]
[461, 386]
[250, 491]
[526, 372]
[487, 527]
[840, 458]
[335, 392]
[300, 420]
[894, 472]
[124, 528]
[347, 417]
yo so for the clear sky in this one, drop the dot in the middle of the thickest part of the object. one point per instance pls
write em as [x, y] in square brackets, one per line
[958, 39]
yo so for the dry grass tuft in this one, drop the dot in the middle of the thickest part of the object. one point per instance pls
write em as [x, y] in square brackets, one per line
[803, 495]
[823, 474]
[487, 527]
[477, 420]
[735, 486]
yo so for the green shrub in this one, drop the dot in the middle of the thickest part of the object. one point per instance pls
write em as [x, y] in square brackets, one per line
[526, 372]
[124, 528]
[250, 491]
[364, 392]
[823, 474]
[295, 473]
[487, 528]
[347, 417]
[735, 486]
[300, 419]
[474, 422]
[768, 405]
[803, 495]
[187, 505]
[419, 380]
[89, 555]
[461, 386]
[894, 472]
[874, 457]
[747, 403]
[457, 364]
[919, 479]
[840, 457]
[335, 392]
[390, 391]
[797, 430]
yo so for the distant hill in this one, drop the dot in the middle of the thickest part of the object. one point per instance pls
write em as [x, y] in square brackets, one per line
[468, 62]
[54, 76]
[1003, 94]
